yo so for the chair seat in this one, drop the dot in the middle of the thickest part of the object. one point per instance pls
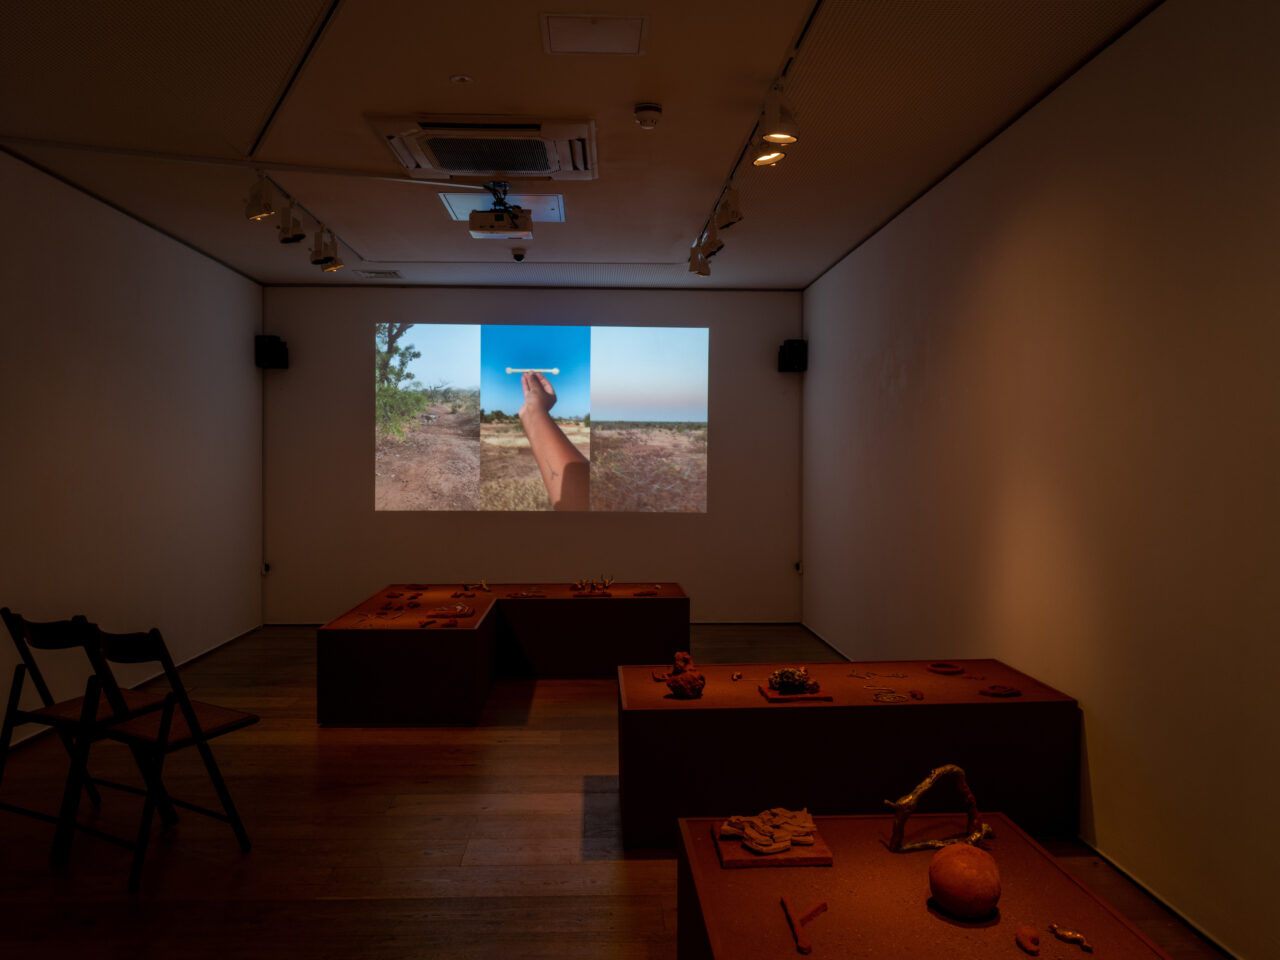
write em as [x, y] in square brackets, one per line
[213, 720]
[68, 711]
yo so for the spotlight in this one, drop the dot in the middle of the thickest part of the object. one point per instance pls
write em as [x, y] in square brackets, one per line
[728, 210]
[766, 155]
[711, 242]
[331, 249]
[259, 206]
[321, 253]
[698, 263]
[290, 229]
[779, 125]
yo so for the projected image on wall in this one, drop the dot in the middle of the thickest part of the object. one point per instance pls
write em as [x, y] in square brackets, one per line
[532, 417]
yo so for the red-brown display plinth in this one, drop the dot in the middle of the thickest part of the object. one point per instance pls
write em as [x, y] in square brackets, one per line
[731, 751]
[566, 632]
[878, 902]
[398, 658]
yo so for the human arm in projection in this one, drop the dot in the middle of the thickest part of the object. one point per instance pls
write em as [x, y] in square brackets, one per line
[564, 470]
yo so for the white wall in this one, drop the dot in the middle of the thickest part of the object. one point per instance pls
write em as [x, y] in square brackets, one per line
[130, 419]
[329, 549]
[1042, 423]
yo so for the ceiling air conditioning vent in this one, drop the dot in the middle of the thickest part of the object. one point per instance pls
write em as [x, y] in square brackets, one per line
[379, 274]
[440, 147]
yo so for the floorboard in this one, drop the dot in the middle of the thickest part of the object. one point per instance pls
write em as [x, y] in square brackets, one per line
[495, 841]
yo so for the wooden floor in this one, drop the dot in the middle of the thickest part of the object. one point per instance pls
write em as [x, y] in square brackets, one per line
[498, 841]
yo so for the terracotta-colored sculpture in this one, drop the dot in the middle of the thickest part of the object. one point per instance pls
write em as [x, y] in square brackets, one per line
[773, 830]
[1028, 938]
[792, 680]
[965, 881]
[684, 682]
[687, 685]
[1071, 936]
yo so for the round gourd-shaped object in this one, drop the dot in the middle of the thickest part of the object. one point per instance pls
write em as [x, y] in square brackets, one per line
[965, 881]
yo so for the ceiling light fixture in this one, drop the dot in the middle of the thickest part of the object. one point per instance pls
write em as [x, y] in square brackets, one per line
[698, 263]
[331, 250]
[779, 125]
[290, 229]
[259, 206]
[766, 155]
[711, 242]
[729, 209]
[320, 252]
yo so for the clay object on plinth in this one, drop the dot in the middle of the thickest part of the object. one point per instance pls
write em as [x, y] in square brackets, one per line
[904, 806]
[687, 685]
[1028, 939]
[1071, 936]
[773, 830]
[792, 680]
[946, 668]
[1000, 690]
[683, 663]
[964, 881]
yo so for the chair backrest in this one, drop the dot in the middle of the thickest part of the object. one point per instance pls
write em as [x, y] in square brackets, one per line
[49, 635]
[146, 647]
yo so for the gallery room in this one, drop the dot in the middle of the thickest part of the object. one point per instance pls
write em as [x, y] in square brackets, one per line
[312, 366]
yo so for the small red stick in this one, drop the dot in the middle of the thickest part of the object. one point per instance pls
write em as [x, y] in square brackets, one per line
[796, 922]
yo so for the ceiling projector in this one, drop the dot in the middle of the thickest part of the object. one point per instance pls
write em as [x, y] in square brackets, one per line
[513, 223]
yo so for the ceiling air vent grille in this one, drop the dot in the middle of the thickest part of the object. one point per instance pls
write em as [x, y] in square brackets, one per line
[379, 274]
[506, 147]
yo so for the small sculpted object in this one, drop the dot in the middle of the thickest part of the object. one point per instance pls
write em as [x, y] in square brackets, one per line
[797, 921]
[792, 680]
[687, 685]
[684, 682]
[945, 668]
[1071, 936]
[773, 830]
[916, 694]
[682, 663]
[1000, 690]
[1028, 938]
[904, 806]
[736, 675]
[964, 881]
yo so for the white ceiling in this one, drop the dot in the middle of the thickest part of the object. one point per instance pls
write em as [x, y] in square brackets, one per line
[160, 107]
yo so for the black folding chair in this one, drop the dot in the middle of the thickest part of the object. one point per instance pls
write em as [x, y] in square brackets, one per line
[180, 722]
[68, 718]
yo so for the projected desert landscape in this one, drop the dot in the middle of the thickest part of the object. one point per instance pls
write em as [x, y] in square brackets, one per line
[509, 477]
[435, 466]
[649, 467]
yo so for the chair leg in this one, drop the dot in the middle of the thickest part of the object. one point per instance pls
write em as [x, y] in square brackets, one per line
[168, 814]
[223, 794]
[151, 773]
[69, 813]
[86, 781]
[6, 733]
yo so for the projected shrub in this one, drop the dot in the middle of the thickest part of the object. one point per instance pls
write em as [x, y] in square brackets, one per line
[533, 417]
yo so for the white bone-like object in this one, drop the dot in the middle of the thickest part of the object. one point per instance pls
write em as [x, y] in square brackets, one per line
[555, 371]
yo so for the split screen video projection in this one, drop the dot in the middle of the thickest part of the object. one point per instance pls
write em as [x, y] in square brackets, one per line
[532, 417]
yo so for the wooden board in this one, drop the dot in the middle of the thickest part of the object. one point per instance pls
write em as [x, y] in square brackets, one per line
[733, 854]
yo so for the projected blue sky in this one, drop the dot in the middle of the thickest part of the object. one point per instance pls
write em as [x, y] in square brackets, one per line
[450, 354]
[566, 348]
[649, 373]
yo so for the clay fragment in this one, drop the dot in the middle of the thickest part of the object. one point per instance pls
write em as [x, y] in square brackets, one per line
[1000, 690]
[1070, 936]
[1028, 938]
[916, 694]
[772, 831]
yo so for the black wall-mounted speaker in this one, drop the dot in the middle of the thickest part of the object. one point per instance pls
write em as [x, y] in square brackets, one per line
[793, 356]
[270, 352]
